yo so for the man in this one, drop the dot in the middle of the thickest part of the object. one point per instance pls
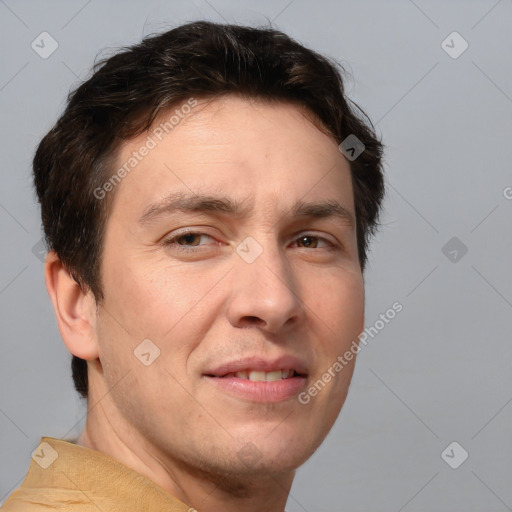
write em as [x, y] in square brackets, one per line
[207, 242]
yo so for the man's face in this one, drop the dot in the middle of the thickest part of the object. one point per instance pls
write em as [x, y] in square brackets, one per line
[214, 302]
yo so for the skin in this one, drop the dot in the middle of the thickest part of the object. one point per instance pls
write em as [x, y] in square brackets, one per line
[166, 420]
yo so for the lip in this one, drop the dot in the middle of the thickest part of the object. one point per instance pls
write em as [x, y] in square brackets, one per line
[259, 391]
[259, 364]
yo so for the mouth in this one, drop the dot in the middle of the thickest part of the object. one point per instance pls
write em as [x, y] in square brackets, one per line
[260, 376]
[259, 380]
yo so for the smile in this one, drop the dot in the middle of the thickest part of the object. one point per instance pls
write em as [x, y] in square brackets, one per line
[260, 376]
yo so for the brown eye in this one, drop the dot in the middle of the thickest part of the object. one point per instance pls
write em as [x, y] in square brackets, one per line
[186, 241]
[311, 242]
[308, 241]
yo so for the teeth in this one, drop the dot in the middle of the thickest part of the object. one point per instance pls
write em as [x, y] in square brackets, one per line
[259, 376]
[272, 376]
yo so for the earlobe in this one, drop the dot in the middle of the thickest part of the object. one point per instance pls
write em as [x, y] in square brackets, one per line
[74, 309]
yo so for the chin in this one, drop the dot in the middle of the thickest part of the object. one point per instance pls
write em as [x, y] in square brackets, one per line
[277, 452]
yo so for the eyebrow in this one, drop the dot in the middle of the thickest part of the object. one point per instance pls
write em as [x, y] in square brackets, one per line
[180, 202]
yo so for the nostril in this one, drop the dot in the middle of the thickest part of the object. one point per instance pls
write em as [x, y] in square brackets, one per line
[253, 320]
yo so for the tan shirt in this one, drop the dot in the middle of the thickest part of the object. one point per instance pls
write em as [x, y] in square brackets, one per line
[66, 476]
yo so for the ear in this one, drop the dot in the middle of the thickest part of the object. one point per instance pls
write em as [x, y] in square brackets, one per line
[74, 309]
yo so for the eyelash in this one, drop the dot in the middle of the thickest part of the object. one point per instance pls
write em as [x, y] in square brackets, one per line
[171, 241]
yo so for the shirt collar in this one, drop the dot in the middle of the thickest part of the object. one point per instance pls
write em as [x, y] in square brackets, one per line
[64, 471]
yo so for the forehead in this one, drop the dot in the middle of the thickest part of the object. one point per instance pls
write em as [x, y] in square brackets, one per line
[238, 146]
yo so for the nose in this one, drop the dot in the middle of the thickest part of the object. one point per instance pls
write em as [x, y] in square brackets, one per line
[264, 292]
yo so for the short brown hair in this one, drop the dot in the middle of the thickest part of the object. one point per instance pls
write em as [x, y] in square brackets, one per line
[128, 90]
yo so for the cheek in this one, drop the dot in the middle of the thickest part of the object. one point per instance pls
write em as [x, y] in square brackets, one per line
[339, 304]
[173, 299]
[164, 303]
[348, 318]
[150, 296]
[339, 309]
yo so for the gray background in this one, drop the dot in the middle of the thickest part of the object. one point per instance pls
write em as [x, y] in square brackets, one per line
[440, 371]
